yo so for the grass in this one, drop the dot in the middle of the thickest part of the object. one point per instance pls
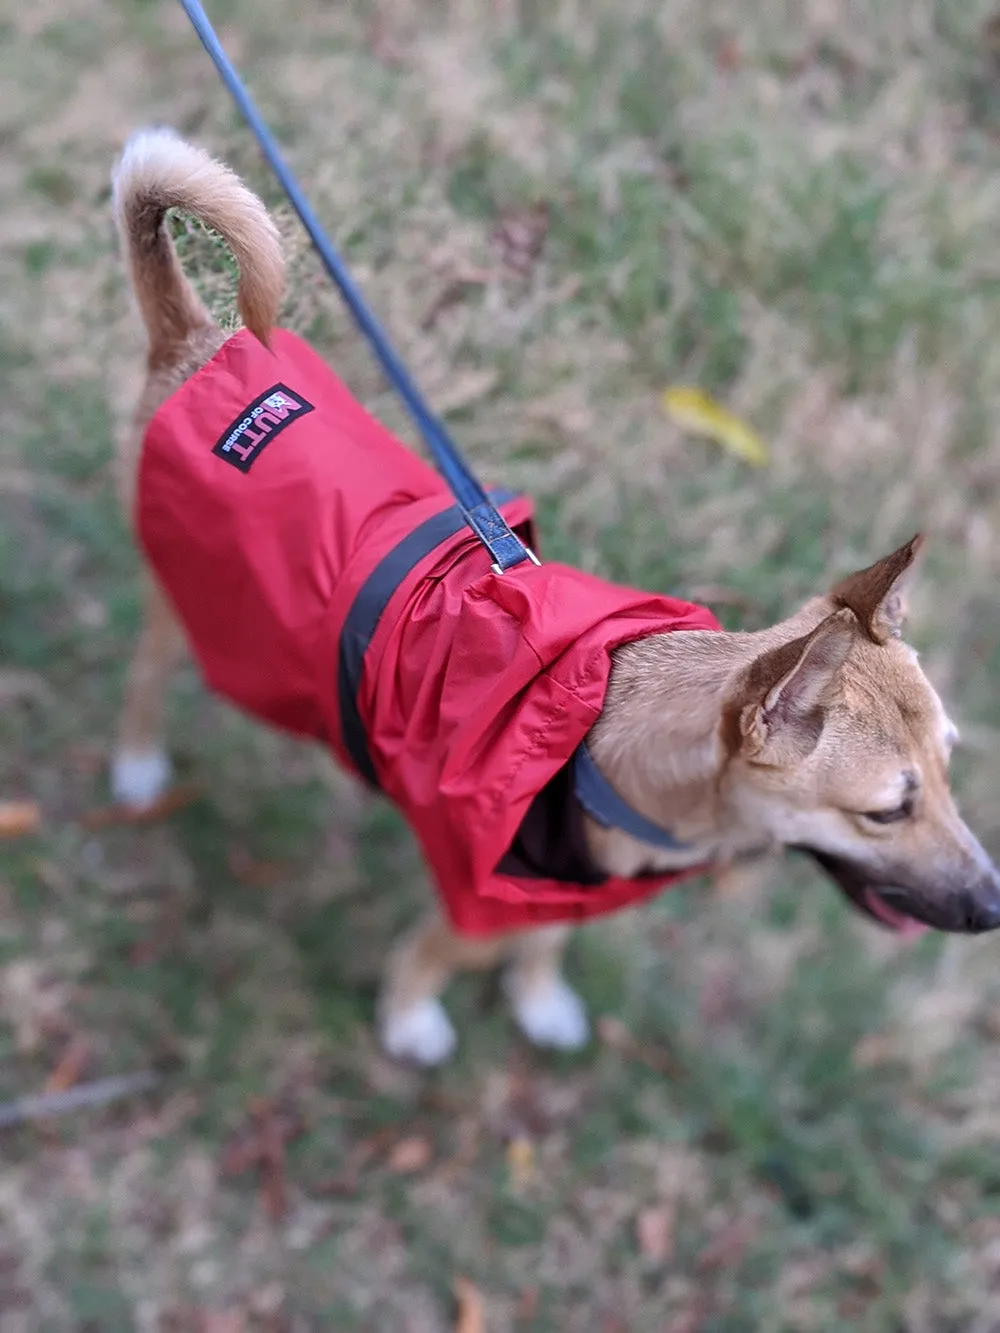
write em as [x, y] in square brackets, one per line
[794, 213]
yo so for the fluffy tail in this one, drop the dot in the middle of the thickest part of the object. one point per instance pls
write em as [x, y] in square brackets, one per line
[158, 171]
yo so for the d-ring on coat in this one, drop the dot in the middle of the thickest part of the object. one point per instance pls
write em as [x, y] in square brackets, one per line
[329, 587]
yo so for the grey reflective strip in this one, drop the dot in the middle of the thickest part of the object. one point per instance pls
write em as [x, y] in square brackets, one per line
[600, 800]
[362, 620]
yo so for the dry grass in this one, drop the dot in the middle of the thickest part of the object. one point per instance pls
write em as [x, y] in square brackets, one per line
[796, 210]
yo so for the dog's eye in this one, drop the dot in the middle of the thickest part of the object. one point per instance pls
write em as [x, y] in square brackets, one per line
[903, 811]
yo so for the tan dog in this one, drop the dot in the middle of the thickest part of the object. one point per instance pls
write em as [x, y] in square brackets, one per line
[821, 733]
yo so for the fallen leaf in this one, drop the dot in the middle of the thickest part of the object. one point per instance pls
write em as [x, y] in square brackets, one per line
[471, 1317]
[654, 1232]
[177, 798]
[453, 291]
[728, 55]
[273, 1184]
[383, 44]
[527, 1305]
[222, 1321]
[465, 388]
[145, 951]
[409, 1155]
[520, 1161]
[262, 1147]
[616, 1036]
[694, 411]
[693, 1318]
[727, 1246]
[70, 1067]
[255, 874]
[874, 1049]
[18, 818]
[520, 237]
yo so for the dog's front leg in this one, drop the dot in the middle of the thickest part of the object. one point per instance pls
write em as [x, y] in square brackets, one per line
[412, 1021]
[548, 1011]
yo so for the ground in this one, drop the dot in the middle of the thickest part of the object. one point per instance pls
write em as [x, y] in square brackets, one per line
[788, 1120]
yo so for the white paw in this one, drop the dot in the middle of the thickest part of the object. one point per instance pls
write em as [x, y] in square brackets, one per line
[138, 779]
[422, 1033]
[550, 1015]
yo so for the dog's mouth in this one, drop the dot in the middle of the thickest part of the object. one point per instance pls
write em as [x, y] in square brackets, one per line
[875, 901]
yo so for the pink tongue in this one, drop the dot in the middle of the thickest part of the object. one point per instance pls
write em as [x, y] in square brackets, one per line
[902, 925]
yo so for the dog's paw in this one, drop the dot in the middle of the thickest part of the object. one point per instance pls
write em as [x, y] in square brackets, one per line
[550, 1015]
[139, 779]
[422, 1034]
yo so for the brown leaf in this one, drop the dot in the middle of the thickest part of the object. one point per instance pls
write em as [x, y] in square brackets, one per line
[262, 1147]
[616, 1036]
[410, 1155]
[720, 999]
[383, 44]
[107, 815]
[255, 874]
[693, 1318]
[453, 291]
[470, 1317]
[465, 388]
[654, 1231]
[222, 1321]
[70, 1067]
[520, 237]
[272, 1132]
[18, 818]
[728, 55]
[145, 951]
[874, 1049]
[527, 1305]
[727, 1246]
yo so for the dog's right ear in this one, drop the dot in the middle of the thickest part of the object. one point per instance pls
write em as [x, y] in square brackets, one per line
[878, 595]
[781, 701]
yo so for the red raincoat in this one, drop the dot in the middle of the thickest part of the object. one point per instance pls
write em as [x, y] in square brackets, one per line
[329, 587]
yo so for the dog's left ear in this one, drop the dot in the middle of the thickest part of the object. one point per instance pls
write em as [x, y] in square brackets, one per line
[878, 595]
[781, 704]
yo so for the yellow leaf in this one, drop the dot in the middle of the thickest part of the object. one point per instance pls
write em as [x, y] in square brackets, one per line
[520, 1161]
[694, 411]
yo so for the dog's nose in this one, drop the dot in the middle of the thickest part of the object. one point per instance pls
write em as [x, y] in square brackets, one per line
[983, 914]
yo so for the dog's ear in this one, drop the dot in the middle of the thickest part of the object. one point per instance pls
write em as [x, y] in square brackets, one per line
[878, 595]
[783, 696]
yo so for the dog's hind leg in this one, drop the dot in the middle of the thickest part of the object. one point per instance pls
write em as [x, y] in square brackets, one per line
[412, 1021]
[548, 1011]
[140, 768]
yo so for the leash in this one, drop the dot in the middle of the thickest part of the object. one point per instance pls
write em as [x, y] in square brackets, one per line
[505, 547]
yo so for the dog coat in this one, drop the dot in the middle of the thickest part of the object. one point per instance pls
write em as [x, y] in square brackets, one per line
[330, 587]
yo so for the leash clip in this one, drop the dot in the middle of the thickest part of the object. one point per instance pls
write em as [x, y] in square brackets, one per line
[528, 555]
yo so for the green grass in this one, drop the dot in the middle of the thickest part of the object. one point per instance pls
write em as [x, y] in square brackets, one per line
[801, 219]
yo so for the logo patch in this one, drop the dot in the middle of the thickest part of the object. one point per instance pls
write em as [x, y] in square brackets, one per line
[245, 439]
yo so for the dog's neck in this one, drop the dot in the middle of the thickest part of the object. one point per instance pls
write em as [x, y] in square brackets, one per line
[659, 743]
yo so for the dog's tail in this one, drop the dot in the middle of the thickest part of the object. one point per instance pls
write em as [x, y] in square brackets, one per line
[158, 171]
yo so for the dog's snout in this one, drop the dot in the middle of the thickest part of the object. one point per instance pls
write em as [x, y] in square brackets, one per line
[983, 910]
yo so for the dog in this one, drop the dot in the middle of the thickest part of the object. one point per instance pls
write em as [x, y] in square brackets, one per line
[561, 746]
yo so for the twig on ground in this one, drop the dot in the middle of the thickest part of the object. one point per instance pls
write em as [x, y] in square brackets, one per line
[97, 1093]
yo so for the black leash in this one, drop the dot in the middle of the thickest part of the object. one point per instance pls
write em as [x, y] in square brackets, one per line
[485, 520]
